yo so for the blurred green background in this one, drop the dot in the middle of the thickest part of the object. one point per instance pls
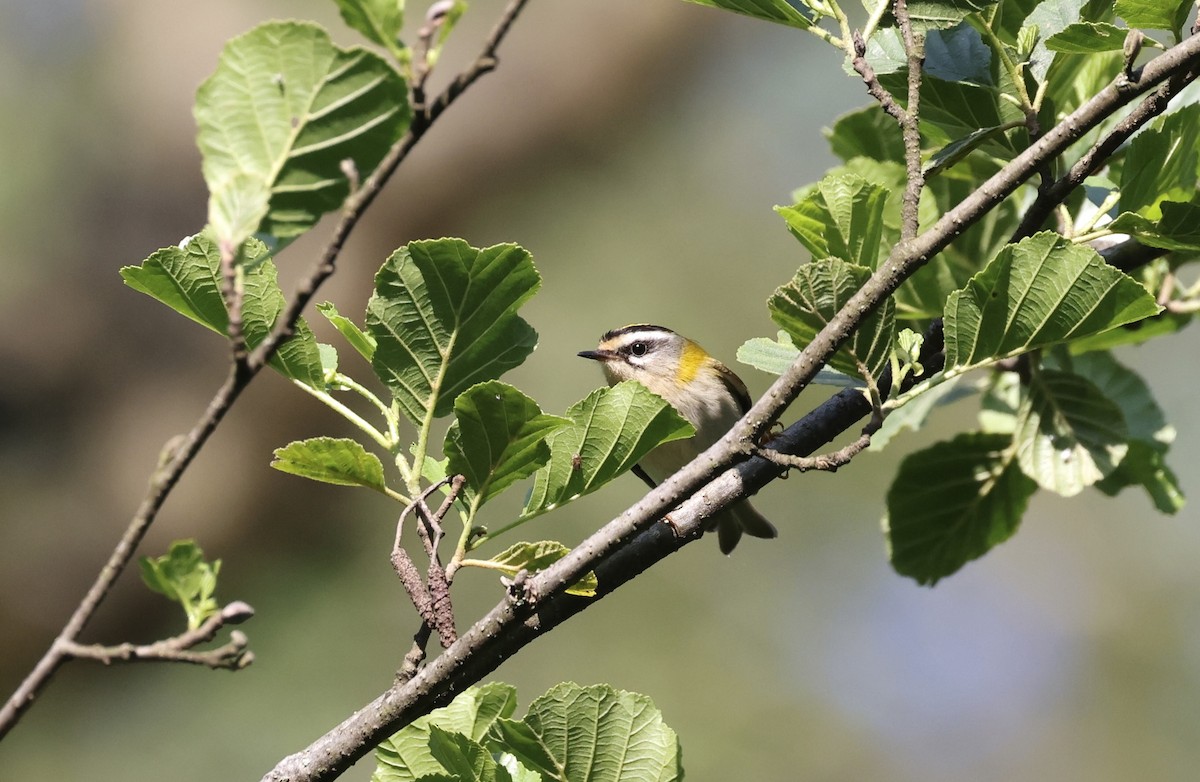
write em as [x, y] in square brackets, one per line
[635, 147]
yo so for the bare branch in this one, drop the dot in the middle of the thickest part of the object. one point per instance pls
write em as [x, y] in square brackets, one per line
[231, 656]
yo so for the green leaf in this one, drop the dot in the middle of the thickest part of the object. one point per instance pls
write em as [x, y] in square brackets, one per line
[188, 280]
[1154, 14]
[592, 734]
[998, 406]
[866, 132]
[1035, 293]
[958, 54]
[406, 756]
[841, 216]
[183, 576]
[957, 150]
[1162, 163]
[361, 341]
[498, 437]
[379, 21]
[1146, 467]
[276, 119]
[1178, 229]
[952, 109]
[1068, 434]
[1143, 417]
[771, 10]
[819, 290]
[444, 318]
[1149, 433]
[1050, 17]
[1087, 38]
[336, 460]
[776, 356]
[539, 556]
[466, 760]
[943, 14]
[610, 431]
[952, 502]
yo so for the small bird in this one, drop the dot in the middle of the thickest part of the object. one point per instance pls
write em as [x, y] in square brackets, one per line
[704, 391]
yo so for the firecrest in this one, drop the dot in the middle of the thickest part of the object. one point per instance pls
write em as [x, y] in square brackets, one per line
[704, 391]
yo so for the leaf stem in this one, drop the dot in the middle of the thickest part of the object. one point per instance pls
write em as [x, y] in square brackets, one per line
[351, 416]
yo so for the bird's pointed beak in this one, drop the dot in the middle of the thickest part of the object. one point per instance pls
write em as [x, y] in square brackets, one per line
[596, 355]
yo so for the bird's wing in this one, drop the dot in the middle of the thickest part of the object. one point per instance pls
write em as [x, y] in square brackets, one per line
[735, 386]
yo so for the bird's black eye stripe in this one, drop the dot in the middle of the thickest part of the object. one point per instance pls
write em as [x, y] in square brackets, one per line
[638, 348]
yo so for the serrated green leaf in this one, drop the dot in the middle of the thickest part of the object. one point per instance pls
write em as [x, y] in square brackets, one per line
[444, 318]
[1154, 14]
[1178, 229]
[1143, 417]
[276, 119]
[866, 132]
[841, 217]
[182, 575]
[379, 21]
[958, 149]
[1144, 466]
[770, 10]
[1162, 164]
[538, 556]
[361, 341]
[943, 14]
[1036, 293]
[592, 734]
[1051, 17]
[1087, 38]
[953, 109]
[466, 760]
[406, 756]
[610, 431]
[958, 54]
[819, 290]
[498, 437]
[336, 460]
[188, 280]
[1068, 434]
[776, 356]
[952, 503]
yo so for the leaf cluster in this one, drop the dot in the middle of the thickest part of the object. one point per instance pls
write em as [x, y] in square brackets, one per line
[569, 734]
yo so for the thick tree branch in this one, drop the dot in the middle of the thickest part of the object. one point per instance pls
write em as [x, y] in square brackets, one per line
[632, 542]
[182, 452]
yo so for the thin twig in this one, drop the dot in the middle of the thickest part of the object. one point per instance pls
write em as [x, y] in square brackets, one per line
[164, 478]
[874, 87]
[230, 656]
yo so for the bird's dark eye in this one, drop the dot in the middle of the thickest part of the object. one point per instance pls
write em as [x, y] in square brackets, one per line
[638, 348]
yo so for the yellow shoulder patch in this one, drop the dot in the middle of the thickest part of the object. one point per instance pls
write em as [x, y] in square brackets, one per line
[690, 361]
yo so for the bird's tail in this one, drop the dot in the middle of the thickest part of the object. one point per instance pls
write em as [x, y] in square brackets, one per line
[739, 518]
